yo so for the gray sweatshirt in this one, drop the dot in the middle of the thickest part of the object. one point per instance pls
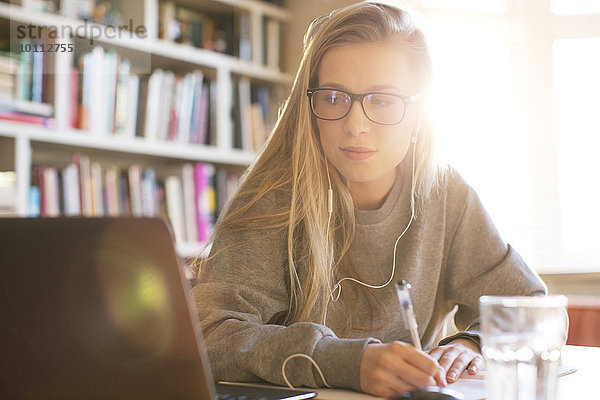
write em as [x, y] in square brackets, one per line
[451, 255]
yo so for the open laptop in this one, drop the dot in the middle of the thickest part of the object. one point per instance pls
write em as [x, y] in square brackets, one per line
[97, 308]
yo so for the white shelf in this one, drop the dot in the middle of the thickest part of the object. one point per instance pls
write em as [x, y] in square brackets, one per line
[28, 107]
[270, 10]
[190, 250]
[140, 146]
[173, 51]
[53, 144]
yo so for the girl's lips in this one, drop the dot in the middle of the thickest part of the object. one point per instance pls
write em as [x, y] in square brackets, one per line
[357, 153]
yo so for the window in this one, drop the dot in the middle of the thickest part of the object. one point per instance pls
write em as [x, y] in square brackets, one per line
[518, 114]
[497, 6]
[576, 67]
[565, 7]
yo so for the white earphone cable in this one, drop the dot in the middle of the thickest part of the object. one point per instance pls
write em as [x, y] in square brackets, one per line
[338, 285]
[309, 358]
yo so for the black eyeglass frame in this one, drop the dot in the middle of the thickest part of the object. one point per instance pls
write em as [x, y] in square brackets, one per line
[360, 98]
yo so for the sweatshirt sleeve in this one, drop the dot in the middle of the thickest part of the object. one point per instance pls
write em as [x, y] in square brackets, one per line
[239, 292]
[481, 263]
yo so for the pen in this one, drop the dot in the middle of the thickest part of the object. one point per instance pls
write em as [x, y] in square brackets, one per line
[408, 313]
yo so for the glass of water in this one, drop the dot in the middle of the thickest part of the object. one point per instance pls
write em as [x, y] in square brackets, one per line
[522, 340]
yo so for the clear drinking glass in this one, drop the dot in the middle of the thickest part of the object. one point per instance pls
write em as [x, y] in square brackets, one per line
[522, 340]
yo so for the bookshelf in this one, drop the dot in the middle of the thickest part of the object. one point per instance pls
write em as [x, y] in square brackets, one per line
[47, 132]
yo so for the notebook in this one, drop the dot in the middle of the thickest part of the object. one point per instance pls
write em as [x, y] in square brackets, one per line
[97, 308]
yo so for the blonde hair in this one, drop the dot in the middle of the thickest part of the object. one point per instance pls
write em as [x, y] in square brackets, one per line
[293, 163]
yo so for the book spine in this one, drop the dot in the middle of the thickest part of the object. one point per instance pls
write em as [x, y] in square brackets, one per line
[74, 94]
[51, 192]
[37, 76]
[112, 192]
[200, 185]
[24, 80]
[149, 202]
[34, 209]
[97, 190]
[122, 98]
[175, 206]
[189, 203]
[97, 103]
[132, 106]
[71, 190]
[135, 188]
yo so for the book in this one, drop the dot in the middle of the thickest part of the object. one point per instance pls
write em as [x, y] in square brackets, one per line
[50, 191]
[23, 89]
[212, 94]
[97, 189]
[153, 113]
[259, 132]
[243, 35]
[205, 199]
[111, 68]
[8, 192]
[111, 186]
[26, 107]
[175, 108]
[174, 197]
[140, 125]
[84, 78]
[30, 119]
[37, 75]
[272, 46]
[96, 81]
[34, 208]
[73, 97]
[85, 184]
[189, 203]
[149, 201]
[164, 104]
[123, 188]
[132, 106]
[186, 104]
[245, 116]
[71, 190]
[122, 98]
[169, 28]
[201, 114]
[135, 190]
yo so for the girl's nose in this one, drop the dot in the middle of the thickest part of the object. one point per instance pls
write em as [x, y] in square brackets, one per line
[356, 122]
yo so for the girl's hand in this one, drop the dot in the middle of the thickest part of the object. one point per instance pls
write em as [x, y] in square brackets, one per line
[392, 368]
[457, 356]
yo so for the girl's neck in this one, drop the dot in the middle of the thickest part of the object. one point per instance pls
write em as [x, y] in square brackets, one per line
[371, 195]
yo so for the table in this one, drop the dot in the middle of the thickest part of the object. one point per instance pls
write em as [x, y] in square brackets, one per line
[578, 385]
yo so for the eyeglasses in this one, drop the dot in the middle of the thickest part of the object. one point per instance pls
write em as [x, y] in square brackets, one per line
[381, 108]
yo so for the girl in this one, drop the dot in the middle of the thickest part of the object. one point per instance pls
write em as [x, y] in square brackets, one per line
[343, 201]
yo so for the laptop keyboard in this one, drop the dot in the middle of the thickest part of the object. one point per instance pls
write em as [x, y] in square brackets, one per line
[235, 392]
[226, 396]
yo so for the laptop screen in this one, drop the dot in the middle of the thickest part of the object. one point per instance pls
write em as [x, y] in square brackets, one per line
[96, 308]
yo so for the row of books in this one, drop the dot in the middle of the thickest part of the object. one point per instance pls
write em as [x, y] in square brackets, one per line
[25, 86]
[179, 107]
[104, 93]
[101, 11]
[224, 33]
[190, 197]
[108, 99]
[203, 30]
[255, 111]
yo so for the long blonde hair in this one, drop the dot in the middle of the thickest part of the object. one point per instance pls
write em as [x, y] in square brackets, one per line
[292, 163]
